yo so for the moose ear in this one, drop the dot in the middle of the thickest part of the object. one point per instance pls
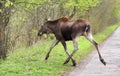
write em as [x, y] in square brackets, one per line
[49, 19]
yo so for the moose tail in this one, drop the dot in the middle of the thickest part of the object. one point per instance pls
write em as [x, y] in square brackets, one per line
[87, 28]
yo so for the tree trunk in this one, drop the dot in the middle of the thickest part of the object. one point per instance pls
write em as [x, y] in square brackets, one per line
[4, 19]
[2, 42]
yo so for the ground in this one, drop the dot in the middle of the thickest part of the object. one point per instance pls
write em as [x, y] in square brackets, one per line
[91, 66]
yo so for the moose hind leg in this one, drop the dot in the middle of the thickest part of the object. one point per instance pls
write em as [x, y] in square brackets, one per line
[91, 39]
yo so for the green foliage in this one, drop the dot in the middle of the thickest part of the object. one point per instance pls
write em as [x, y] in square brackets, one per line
[0, 10]
[5, 4]
[30, 61]
[116, 10]
[30, 4]
[82, 5]
[8, 3]
[32, 1]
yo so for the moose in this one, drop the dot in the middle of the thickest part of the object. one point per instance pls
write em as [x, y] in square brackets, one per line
[66, 29]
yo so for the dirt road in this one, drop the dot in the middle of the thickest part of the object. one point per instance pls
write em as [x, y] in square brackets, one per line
[110, 51]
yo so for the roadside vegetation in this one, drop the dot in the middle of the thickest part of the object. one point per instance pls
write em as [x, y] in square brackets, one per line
[30, 61]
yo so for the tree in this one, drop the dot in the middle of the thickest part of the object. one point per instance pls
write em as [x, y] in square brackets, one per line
[5, 8]
[80, 6]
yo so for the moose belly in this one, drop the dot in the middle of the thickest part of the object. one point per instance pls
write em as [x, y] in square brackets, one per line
[67, 36]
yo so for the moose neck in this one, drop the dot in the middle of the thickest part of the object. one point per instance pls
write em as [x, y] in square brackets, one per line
[52, 25]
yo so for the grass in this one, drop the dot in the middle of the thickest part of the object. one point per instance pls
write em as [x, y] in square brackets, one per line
[30, 61]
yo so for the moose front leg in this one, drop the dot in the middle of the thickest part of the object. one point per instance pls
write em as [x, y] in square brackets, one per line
[64, 45]
[75, 49]
[52, 46]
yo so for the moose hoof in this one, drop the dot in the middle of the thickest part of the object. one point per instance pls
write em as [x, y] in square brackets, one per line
[46, 57]
[74, 63]
[102, 60]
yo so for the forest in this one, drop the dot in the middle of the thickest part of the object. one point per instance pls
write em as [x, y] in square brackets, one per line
[20, 21]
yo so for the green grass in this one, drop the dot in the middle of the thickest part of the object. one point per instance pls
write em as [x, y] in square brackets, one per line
[30, 61]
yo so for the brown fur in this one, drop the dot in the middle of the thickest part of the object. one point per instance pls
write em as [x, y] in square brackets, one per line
[64, 19]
